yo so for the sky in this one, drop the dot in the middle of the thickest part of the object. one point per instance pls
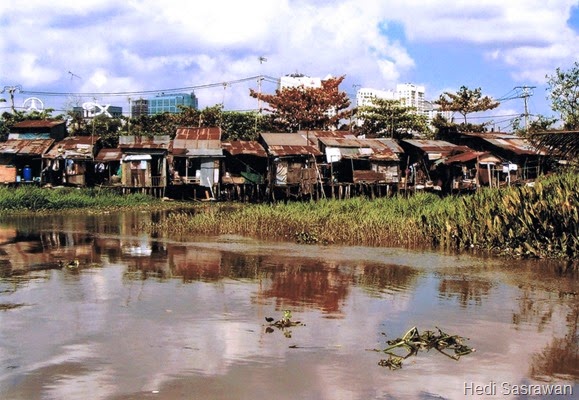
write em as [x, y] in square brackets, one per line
[66, 52]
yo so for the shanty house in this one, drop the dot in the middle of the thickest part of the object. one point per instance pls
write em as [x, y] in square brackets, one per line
[71, 161]
[522, 161]
[422, 159]
[469, 170]
[108, 167]
[21, 159]
[292, 162]
[144, 161]
[21, 155]
[244, 169]
[196, 154]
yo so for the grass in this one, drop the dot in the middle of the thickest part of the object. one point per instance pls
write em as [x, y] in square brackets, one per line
[539, 221]
[31, 198]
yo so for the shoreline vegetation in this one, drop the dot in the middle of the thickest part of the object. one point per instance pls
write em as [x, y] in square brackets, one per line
[540, 221]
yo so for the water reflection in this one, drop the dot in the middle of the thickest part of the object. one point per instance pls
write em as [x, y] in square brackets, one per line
[179, 316]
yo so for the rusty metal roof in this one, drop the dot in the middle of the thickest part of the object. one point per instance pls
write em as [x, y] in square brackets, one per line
[469, 156]
[40, 123]
[196, 142]
[76, 147]
[107, 155]
[440, 148]
[31, 147]
[509, 142]
[291, 150]
[141, 142]
[288, 144]
[244, 147]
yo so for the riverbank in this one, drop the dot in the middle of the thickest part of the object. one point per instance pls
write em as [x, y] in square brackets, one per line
[539, 221]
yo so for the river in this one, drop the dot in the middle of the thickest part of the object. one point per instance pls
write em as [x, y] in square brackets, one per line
[145, 317]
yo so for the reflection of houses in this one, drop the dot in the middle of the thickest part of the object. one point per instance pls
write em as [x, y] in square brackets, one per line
[522, 160]
[144, 163]
[292, 164]
[71, 161]
[422, 158]
[243, 170]
[21, 154]
[196, 153]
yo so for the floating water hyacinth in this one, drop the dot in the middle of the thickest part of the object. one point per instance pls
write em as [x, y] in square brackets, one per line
[413, 342]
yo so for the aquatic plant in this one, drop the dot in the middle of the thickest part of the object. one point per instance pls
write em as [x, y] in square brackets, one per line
[413, 342]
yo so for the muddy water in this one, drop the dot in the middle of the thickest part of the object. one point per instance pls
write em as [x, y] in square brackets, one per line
[184, 318]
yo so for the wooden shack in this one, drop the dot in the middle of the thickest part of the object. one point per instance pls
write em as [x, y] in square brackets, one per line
[21, 160]
[292, 164]
[244, 170]
[71, 161]
[144, 164]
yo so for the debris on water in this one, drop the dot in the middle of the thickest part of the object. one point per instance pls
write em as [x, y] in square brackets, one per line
[413, 342]
[11, 306]
[282, 324]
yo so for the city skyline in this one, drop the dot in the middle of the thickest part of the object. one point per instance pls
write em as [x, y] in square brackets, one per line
[143, 46]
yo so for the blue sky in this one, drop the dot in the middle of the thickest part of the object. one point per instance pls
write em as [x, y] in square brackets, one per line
[107, 51]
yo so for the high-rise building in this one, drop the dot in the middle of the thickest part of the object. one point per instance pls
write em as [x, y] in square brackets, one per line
[139, 107]
[365, 96]
[170, 103]
[411, 95]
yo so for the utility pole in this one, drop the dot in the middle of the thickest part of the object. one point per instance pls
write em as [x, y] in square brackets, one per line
[11, 90]
[527, 91]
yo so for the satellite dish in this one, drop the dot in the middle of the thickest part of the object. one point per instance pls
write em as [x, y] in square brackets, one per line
[33, 104]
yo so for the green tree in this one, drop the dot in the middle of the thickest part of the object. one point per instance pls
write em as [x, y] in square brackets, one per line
[538, 124]
[296, 108]
[564, 95]
[389, 118]
[466, 101]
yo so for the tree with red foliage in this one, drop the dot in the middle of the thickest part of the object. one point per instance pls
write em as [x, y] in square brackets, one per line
[304, 108]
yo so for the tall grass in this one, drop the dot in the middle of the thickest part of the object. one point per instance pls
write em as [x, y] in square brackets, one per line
[540, 221]
[31, 198]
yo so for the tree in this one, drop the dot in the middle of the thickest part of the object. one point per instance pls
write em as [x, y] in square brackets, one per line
[539, 124]
[564, 95]
[296, 108]
[389, 118]
[466, 101]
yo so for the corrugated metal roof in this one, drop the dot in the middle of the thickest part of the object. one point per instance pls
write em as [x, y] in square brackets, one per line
[284, 151]
[40, 123]
[74, 147]
[244, 147]
[197, 142]
[509, 142]
[436, 149]
[392, 144]
[141, 142]
[106, 155]
[32, 147]
[288, 144]
[285, 139]
[464, 157]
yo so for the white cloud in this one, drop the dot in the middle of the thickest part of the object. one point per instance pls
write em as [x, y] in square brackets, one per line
[146, 44]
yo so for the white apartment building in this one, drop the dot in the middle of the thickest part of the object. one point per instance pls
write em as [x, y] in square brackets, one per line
[364, 96]
[411, 95]
[297, 80]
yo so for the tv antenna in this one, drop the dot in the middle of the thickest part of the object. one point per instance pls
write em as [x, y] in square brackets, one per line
[73, 75]
[262, 59]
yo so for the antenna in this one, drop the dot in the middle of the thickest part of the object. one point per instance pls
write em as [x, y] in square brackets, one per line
[73, 75]
[262, 59]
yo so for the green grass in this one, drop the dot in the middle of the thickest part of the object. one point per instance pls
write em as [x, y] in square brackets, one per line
[540, 221]
[30, 198]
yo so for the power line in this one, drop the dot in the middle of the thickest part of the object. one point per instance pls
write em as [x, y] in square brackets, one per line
[145, 92]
